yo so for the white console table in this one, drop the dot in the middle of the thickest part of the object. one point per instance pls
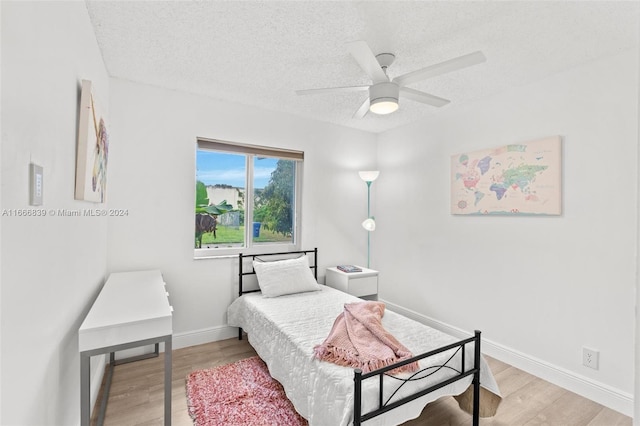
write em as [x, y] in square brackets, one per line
[132, 310]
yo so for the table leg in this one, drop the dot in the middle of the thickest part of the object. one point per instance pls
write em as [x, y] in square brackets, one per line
[167, 381]
[85, 389]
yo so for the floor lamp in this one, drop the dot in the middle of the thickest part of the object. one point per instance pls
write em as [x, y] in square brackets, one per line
[369, 223]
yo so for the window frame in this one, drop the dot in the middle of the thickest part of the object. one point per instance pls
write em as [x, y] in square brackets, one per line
[250, 152]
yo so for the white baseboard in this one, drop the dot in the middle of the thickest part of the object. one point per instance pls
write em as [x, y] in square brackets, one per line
[184, 340]
[205, 335]
[599, 392]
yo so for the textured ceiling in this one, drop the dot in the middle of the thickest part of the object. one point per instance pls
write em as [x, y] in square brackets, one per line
[259, 53]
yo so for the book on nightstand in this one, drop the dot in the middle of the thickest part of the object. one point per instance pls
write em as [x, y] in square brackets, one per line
[349, 268]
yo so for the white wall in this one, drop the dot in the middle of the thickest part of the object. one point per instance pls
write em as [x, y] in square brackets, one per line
[153, 144]
[52, 267]
[571, 284]
[636, 413]
[539, 288]
[1, 207]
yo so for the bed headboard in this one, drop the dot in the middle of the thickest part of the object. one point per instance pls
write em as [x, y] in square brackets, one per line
[242, 273]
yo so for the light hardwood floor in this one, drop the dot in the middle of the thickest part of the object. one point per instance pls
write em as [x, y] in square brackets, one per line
[137, 394]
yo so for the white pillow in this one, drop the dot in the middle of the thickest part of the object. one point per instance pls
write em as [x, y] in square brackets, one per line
[287, 276]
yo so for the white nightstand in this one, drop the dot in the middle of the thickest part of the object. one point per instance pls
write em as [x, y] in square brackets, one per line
[359, 284]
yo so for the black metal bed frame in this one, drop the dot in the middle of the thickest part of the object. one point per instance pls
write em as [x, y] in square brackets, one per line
[390, 404]
[242, 274]
[359, 376]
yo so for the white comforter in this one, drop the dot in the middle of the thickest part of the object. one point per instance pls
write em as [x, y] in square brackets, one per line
[284, 330]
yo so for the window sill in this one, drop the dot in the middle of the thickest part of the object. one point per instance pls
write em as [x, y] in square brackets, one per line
[233, 252]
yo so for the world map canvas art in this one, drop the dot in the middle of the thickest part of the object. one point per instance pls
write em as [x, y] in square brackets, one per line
[522, 178]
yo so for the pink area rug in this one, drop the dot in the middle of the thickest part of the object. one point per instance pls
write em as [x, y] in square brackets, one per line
[242, 393]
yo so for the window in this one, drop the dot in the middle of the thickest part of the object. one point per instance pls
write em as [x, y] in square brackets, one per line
[246, 197]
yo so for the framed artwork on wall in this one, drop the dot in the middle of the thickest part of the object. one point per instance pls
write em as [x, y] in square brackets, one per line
[92, 149]
[517, 179]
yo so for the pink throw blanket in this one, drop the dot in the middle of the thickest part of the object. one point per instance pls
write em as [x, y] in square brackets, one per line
[359, 340]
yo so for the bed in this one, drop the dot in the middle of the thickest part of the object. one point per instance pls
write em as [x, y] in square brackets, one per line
[284, 329]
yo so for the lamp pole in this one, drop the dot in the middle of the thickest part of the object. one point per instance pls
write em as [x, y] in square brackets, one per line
[369, 224]
[368, 215]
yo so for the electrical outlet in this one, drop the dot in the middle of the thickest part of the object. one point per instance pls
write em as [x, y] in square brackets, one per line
[590, 358]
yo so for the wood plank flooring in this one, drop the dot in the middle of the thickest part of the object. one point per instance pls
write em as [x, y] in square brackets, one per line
[137, 395]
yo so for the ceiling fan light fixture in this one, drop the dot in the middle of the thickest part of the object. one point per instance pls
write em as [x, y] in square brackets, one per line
[384, 106]
[385, 92]
[384, 98]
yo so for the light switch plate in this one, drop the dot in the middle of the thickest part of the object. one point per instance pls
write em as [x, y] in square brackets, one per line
[36, 184]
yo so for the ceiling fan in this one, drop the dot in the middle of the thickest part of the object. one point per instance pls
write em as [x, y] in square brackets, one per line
[385, 92]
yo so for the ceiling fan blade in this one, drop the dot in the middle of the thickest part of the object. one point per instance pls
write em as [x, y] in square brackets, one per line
[425, 98]
[362, 111]
[331, 90]
[441, 68]
[363, 55]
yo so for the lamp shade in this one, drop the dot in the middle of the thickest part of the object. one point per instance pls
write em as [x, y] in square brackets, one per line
[369, 175]
[384, 97]
[369, 224]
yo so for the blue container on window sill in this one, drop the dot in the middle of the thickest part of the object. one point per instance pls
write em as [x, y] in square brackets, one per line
[256, 229]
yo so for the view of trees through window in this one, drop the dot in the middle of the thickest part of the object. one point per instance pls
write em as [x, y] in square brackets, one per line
[226, 216]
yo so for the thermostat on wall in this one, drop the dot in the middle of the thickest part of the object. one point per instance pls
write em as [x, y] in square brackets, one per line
[36, 182]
